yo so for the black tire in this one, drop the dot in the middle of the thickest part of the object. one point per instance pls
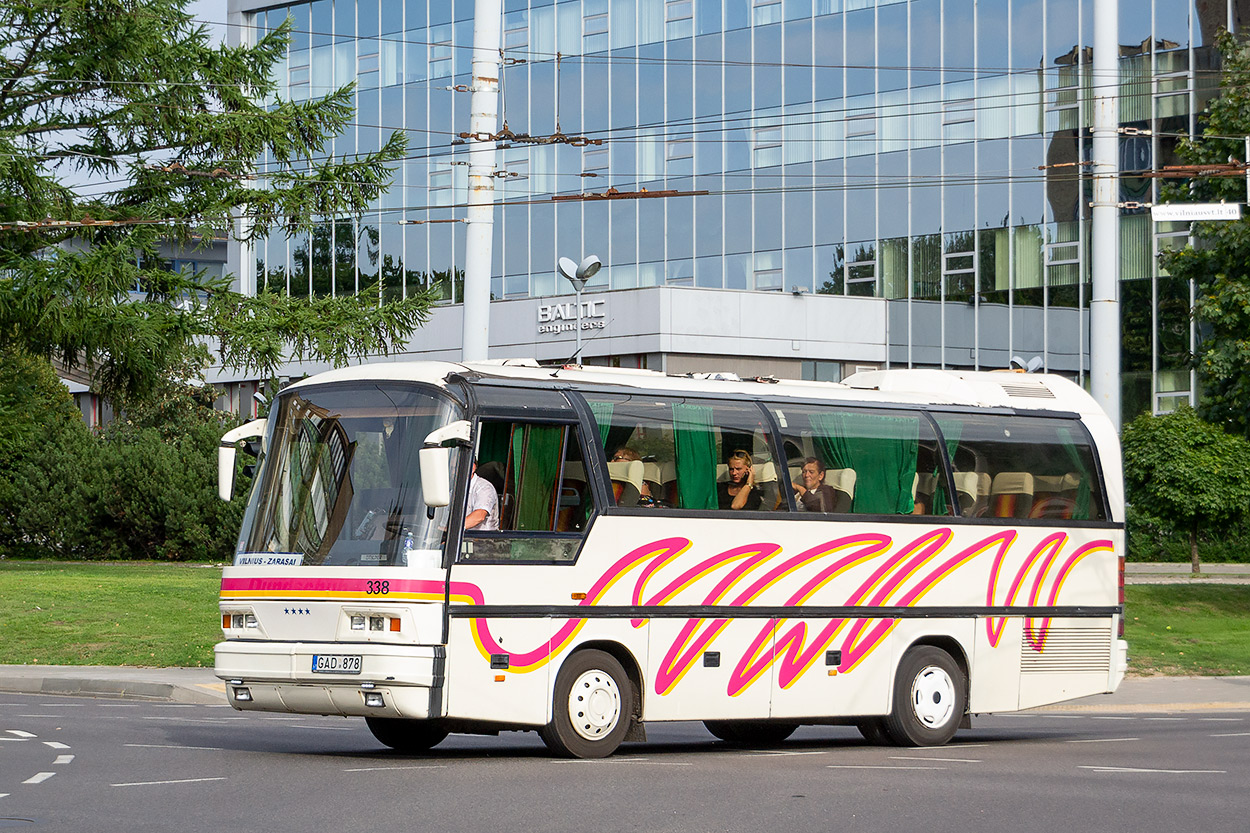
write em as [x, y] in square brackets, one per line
[592, 706]
[930, 697]
[407, 735]
[750, 732]
[873, 730]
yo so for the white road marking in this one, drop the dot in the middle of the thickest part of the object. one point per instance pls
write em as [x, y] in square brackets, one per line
[329, 728]
[385, 768]
[865, 766]
[62, 759]
[922, 758]
[174, 746]
[1065, 716]
[966, 745]
[1165, 718]
[1109, 717]
[55, 744]
[158, 783]
[1221, 719]
[1232, 735]
[40, 716]
[1101, 740]
[4, 795]
[119, 705]
[781, 754]
[39, 778]
[19, 733]
[1161, 771]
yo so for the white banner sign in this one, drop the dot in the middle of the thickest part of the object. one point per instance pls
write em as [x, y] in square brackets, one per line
[1186, 212]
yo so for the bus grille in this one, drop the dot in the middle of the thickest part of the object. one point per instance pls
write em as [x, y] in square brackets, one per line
[1067, 650]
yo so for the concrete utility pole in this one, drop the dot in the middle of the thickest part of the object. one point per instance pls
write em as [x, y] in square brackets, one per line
[1104, 306]
[483, 124]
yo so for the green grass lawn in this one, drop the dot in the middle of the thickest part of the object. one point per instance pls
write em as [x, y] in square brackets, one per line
[70, 613]
[1188, 629]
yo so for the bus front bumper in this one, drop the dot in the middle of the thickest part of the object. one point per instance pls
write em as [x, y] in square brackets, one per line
[392, 681]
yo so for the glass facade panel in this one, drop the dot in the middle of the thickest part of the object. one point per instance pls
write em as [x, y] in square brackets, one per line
[854, 144]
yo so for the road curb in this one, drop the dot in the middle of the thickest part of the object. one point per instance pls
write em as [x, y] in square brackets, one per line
[33, 682]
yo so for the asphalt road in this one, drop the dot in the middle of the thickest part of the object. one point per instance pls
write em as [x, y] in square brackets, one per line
[80, 764]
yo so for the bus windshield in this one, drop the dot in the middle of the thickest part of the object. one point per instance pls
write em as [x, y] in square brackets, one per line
[340, 483]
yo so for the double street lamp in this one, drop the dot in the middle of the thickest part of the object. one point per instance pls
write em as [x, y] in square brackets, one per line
[577, 274]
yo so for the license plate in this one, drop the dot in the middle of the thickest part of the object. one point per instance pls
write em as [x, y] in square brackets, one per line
[336, 663]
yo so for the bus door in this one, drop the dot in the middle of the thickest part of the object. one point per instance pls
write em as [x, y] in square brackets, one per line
[518, 567]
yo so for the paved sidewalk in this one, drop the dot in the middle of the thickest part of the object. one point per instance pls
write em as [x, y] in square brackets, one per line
[1159, 573]
[198, 685]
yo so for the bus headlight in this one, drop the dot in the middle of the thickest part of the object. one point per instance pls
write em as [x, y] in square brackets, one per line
[358, 623]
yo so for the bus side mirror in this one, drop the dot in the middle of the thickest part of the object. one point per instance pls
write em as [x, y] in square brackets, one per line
[435, 459]
[436, 476]
[226, 454]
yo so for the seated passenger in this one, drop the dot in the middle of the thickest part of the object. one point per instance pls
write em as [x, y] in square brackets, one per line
[739, 491]
[482, 509]
[814, 494]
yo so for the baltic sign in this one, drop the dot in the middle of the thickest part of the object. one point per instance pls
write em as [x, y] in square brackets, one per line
[562, 318]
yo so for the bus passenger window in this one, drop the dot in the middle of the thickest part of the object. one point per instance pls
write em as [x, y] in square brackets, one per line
[544, 500]
[680, 453]
[1022, 467]
[861, 461]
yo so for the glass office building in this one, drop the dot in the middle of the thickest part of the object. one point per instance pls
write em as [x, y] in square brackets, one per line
[927, 153]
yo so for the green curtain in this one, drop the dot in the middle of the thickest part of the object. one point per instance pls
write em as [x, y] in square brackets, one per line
[695, 446]
[603, 418]
[1081, 512]
[536, 462]
[952, 430]
[493, 444]
[881, 449]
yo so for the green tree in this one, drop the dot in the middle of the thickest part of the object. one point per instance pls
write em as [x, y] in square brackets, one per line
[132, 98]
[1220, 265]
[1186, 470]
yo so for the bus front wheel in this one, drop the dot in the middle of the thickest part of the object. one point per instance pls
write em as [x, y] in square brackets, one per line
[592, 707]
[406, 735]
[930, 695]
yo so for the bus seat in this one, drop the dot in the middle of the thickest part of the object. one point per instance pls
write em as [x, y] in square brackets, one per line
[1011, 494]
[766, 481]
[575, 471]
[843, 482]
[653, 475]
[626, 481]
[1054, 495]
[668, 483]
[966, 489]
[722, 472]
[983, 494]
[926, 483]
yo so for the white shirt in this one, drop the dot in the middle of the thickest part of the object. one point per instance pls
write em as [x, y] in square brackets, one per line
[482, 496]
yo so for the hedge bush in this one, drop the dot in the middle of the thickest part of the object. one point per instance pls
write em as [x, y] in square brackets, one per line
[145, 487]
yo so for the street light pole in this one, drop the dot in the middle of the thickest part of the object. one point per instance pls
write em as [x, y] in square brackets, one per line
[577, 274]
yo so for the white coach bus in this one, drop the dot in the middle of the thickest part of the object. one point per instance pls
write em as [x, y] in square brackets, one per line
[898, 552]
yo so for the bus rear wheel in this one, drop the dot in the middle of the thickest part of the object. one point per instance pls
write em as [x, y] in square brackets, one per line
[407, 735]
[750, 732]
[930, 696]
[591, 708]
